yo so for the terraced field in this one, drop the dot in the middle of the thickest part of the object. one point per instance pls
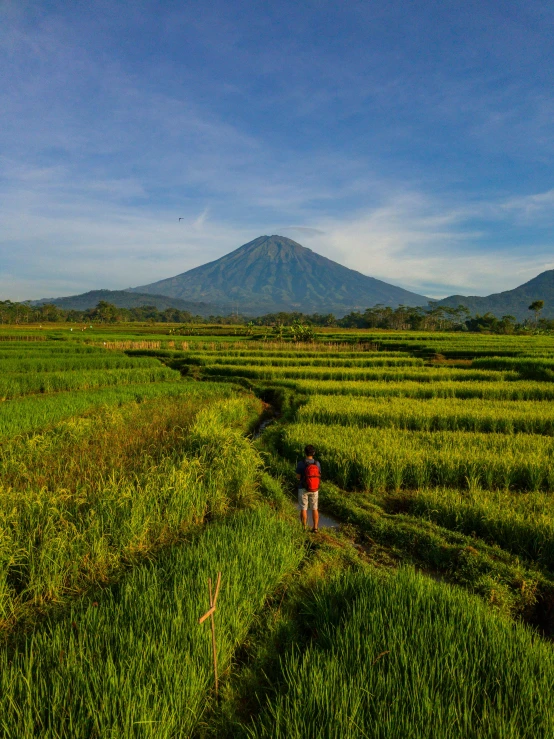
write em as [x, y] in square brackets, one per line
[444, 463]
[130, 478]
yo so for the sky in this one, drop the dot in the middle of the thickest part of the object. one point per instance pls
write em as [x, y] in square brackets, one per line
[411, 141]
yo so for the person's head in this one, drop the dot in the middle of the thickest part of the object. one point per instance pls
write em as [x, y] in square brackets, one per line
[309, 450]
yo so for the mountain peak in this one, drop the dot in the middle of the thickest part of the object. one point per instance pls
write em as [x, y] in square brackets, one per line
[273, 246]
[514, 302]
[275, 273]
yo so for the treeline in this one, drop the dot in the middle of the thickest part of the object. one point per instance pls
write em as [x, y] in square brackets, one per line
[431, 318]
[103, 312]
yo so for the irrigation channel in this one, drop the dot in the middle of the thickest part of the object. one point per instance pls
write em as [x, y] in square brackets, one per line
[325, 521]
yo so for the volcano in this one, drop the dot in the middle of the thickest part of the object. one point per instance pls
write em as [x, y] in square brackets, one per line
[272, 274]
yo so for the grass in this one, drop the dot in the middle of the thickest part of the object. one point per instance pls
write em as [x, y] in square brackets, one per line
[432, 414]
[516, 363]
[520, 523]
[506, 581]
[401, 655]
[529, 367]
[504, 572]
[394, 459]
[15, 350]
[28, 414]
[315, 351]
[15, 384]
[96, 493]
[367, 360]
[117, 503]
[77, 362]
[132, 660]
[390, 374]
[490, 390]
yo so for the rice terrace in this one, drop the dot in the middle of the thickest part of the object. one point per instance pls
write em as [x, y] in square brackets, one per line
[138, 464]
[276, 370]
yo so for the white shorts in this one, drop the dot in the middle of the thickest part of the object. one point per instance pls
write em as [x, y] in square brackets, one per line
[308, 500]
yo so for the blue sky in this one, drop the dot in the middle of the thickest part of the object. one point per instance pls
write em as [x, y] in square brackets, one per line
[413, 141]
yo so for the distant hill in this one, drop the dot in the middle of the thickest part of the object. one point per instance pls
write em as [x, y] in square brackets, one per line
[514, 302]
[273, 273]
[126, 299]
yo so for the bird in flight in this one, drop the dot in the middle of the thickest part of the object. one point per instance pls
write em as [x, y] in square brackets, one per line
[181, 219]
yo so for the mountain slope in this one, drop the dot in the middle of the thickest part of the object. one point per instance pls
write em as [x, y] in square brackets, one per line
[126, 299]
[273, 273]
[514, 302]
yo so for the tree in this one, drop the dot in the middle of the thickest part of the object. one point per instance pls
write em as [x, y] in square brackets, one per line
[416, 318]
[458, 315]
[50, 312]
[278, 330]
[105, 312]
[536, 306]
[302, 332]
[487, 323]
[507, 324]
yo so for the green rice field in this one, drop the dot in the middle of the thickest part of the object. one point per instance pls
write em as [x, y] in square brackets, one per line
[136, 465]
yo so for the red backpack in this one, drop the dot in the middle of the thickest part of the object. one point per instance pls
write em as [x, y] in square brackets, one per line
[312, 476]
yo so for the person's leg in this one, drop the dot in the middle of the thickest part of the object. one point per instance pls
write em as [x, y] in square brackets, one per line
[303, 503]
[315, 514]
[313, 500]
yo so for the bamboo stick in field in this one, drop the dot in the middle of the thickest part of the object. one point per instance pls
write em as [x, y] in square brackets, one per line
[210, 614]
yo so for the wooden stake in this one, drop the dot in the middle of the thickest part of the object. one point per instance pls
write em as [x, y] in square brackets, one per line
[214, 645]
[210, 614]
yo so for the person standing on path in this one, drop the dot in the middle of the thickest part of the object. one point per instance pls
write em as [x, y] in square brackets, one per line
[308, 474]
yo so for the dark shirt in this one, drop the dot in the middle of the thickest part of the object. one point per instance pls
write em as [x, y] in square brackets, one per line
[301, 468]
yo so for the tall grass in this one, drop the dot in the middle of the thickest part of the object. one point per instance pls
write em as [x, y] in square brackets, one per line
[27, 414]
[292, 352]
[122, 485]
[76, 362]
[520, 523]
[259, 360]
[391, 374]
[513, 362]
[47, 349]
[12, 385]
[434, 414]
[394, 459]
[403, 656]
[515, 586]
[459, 345]
[12, 337]
[530, 367]
[512, 390]
[135, 662]
[130, 344]
[78, 502]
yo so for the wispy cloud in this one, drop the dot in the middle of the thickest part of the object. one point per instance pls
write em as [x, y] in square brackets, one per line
[538, 204]
[422, 168]
[425, 245]
[199, 222]
[412, 240]
[125, 252]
